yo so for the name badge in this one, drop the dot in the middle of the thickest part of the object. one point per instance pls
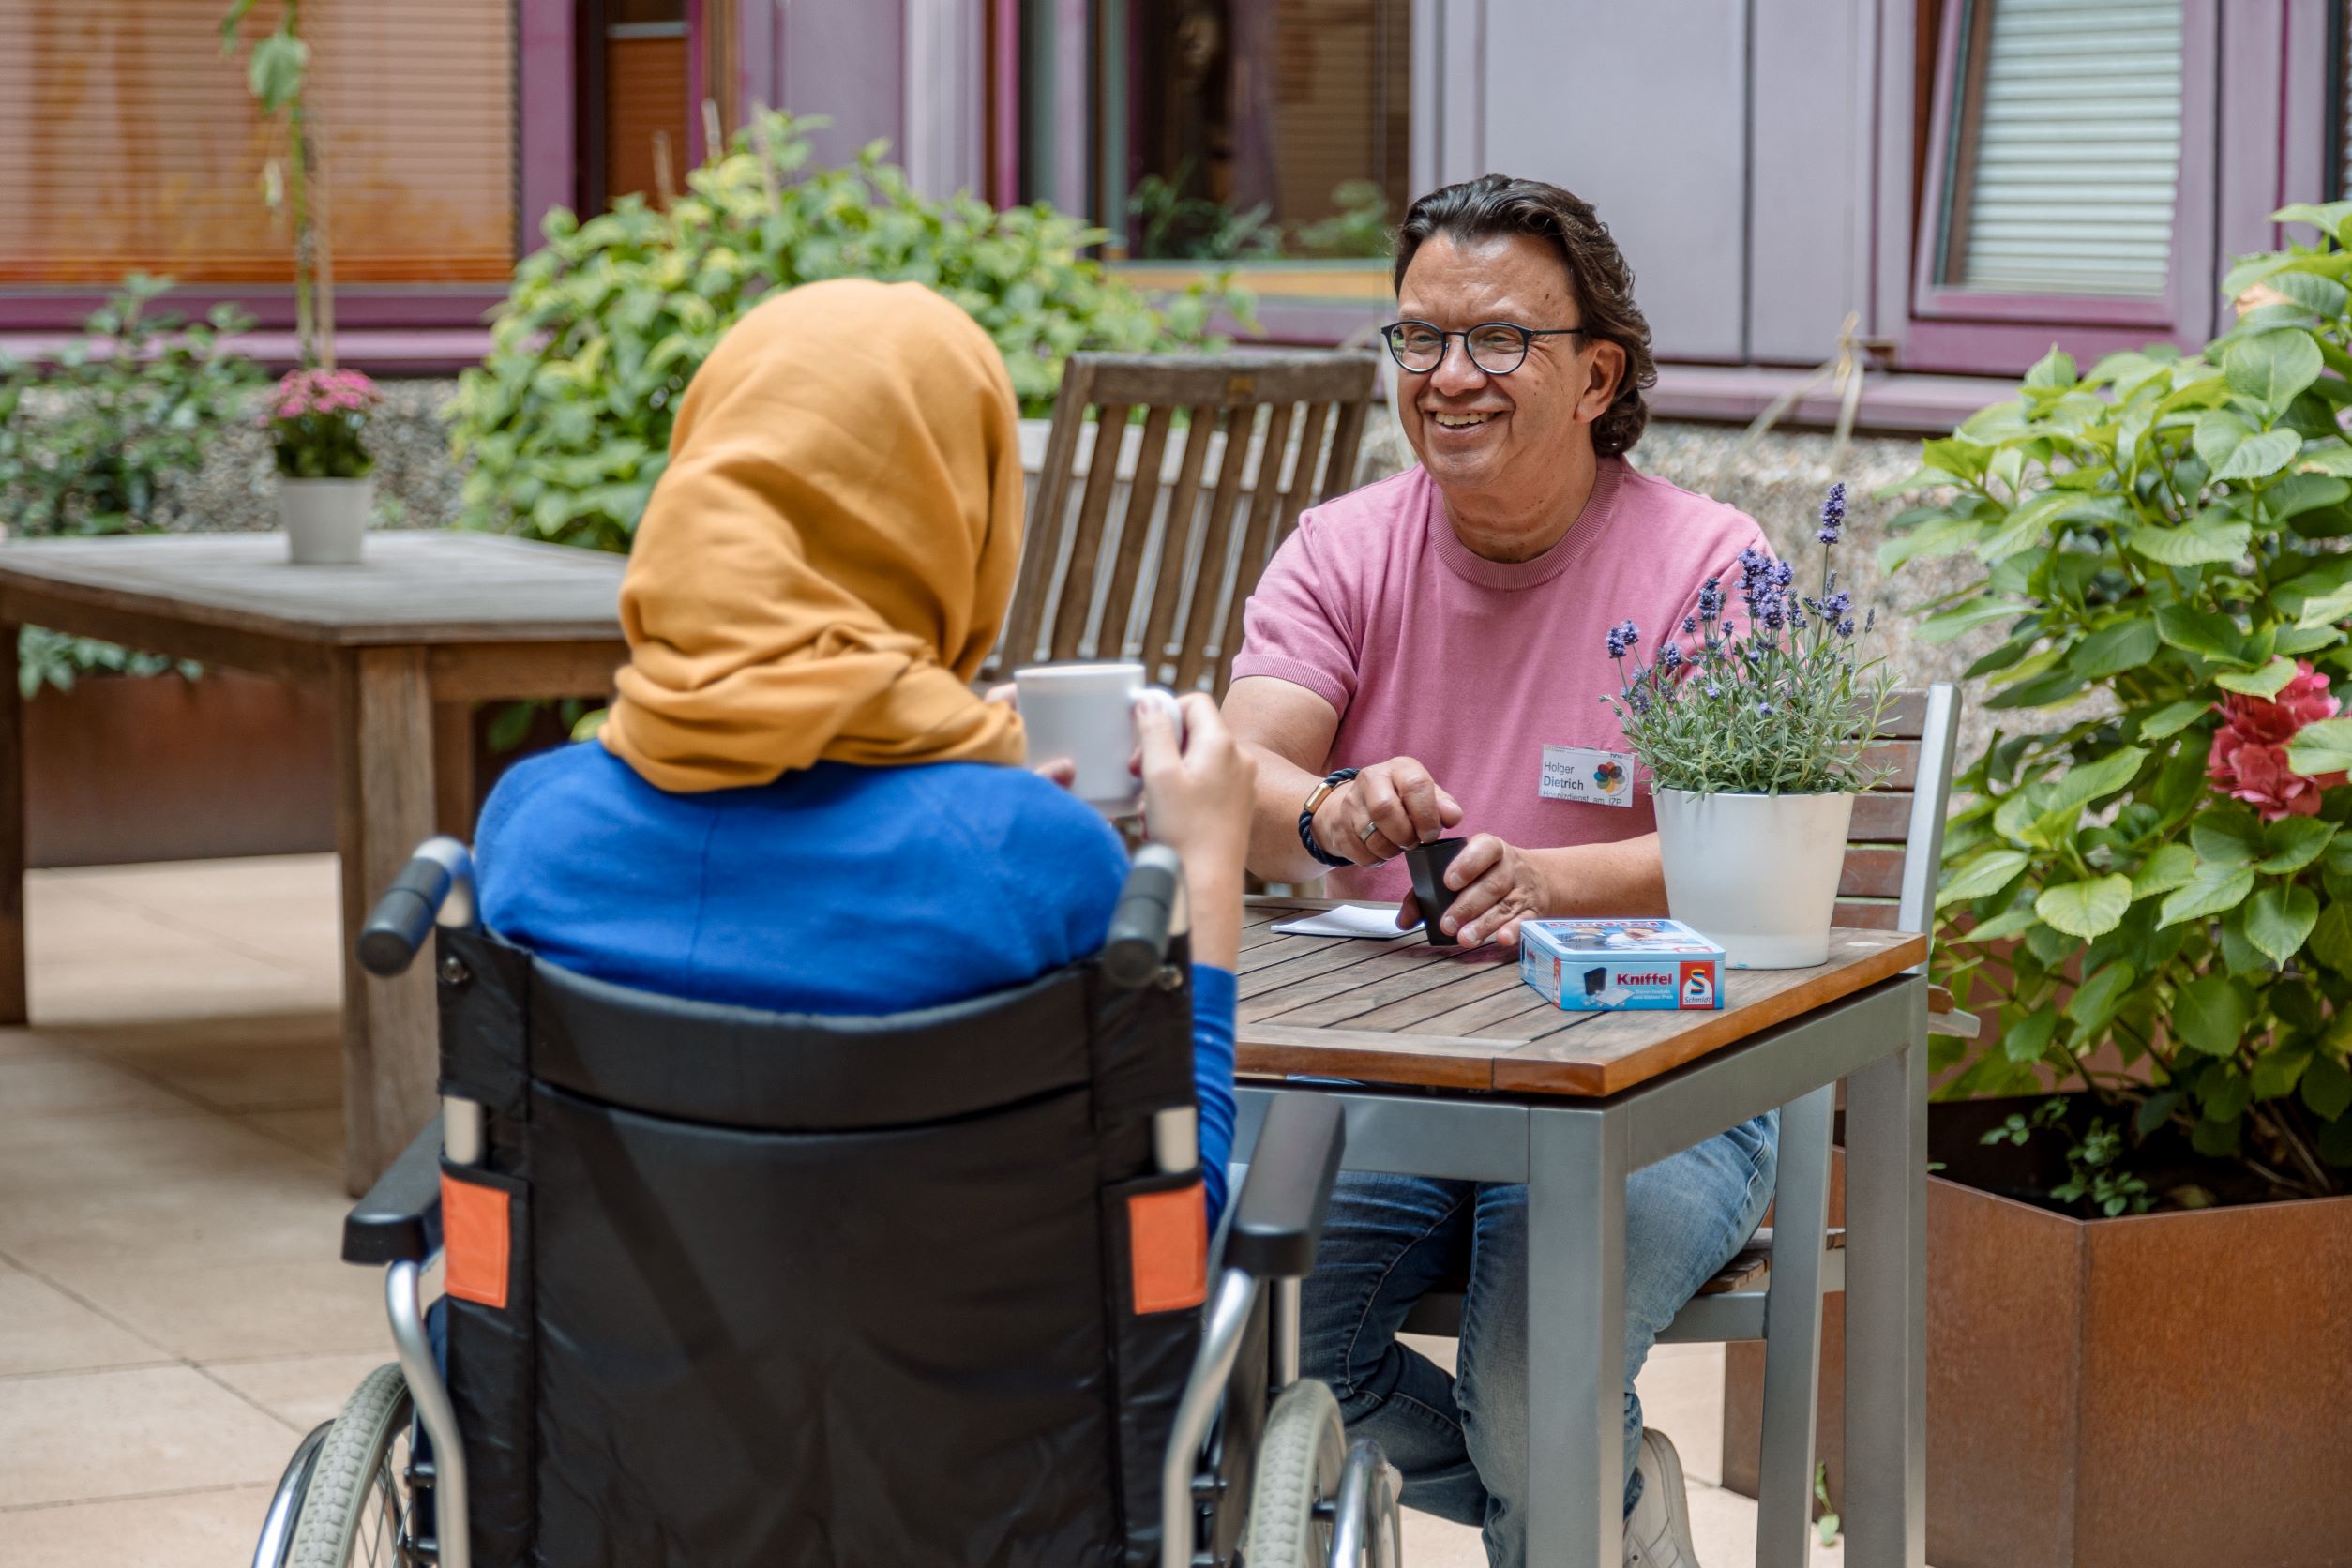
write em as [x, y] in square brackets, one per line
[1594, 778]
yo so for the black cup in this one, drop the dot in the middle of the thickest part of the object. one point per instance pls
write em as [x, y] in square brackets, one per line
[1427, 863]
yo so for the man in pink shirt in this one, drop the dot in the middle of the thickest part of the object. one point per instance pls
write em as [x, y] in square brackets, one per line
[1427, 658]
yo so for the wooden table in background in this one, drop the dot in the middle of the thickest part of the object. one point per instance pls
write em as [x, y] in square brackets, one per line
[405, 645]
[1449, 1066]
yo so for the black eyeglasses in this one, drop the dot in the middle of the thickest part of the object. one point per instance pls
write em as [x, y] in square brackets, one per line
[1496, 348]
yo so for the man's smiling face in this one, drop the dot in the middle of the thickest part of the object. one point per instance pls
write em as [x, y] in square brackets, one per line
[1494, 444]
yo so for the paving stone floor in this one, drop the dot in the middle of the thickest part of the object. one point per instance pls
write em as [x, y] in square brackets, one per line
[173, 1316]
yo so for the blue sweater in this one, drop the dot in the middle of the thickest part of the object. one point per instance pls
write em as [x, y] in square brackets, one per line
[804, 895]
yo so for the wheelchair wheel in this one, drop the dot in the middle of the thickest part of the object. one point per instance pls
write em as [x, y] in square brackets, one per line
[354, 1510]
[1304, 1447]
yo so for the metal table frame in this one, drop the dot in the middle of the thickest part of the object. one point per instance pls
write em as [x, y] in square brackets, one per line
[1575, 1156]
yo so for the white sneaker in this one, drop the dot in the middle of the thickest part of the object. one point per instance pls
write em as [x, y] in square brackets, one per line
[1658, 1532]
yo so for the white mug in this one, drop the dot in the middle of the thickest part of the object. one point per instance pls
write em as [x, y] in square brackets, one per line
[1085, 713]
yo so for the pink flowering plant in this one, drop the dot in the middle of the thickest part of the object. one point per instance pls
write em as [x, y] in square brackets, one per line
[317, 419]
[2249, 761]
[2146, 871]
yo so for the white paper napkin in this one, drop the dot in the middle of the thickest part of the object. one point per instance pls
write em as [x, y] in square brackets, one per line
[1375, 921]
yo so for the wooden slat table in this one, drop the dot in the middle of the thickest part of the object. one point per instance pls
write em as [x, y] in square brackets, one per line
[405, 645]
[1454, 1068]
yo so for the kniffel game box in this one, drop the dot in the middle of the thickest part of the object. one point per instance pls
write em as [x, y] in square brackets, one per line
[1608, 966]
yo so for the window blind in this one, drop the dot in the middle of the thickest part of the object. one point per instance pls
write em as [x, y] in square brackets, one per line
[645, 98]
[128, 142]
[1340, 95]
[2069, 149]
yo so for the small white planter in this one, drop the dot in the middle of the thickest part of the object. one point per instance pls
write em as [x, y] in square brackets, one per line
[1756, 873]
[326, 520]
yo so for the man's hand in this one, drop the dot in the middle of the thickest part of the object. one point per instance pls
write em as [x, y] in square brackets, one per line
[1384, 811]
[1496, 885]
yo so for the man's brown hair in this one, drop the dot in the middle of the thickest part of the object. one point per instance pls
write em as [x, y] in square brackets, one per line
[1493, 207]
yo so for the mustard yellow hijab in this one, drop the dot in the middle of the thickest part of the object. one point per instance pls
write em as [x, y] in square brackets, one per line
[828, 556]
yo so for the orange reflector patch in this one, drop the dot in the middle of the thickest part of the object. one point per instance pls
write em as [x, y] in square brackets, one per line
[475, 1232]
[1167, 1237]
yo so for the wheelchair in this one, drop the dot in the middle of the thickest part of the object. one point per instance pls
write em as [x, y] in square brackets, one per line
[677, 1285]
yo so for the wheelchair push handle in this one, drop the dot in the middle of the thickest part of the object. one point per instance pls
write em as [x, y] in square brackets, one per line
[1148, 915]
[436, 886]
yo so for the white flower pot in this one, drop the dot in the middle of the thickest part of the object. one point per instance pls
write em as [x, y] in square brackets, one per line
[1756, 873]
[326, 520]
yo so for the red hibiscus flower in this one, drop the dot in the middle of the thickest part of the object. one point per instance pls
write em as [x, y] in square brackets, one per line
[2247, 761]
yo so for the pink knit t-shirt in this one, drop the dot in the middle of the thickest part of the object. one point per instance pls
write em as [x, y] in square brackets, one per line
[1474, 666]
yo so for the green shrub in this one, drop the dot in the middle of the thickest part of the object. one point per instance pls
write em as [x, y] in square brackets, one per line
[1360, 228]
[567, 424]
[2161, 869]
[88, 440]
[50, 658]
[1172, 226]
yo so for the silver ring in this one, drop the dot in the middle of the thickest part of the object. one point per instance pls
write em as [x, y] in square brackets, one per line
[1369, 829]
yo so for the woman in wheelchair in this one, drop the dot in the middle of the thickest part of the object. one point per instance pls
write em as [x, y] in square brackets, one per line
[798, 804]
[810, 1192]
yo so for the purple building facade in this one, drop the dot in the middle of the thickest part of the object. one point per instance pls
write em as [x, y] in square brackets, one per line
[1969, 180]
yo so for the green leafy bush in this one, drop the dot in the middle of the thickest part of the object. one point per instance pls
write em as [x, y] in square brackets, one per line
[51, 658]
[1359, 229]
[1177, 227]
[2090, 1185]
[566, 424]
[2151, 869]
[87, 439]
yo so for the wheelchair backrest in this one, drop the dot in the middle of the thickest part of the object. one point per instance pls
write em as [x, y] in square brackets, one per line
[738, 1287]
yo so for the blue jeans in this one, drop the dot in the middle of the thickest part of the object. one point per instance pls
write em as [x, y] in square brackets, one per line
[1461, 1439]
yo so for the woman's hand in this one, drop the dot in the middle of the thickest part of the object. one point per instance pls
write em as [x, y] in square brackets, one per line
[1197, 800]
[1061, 770]
[1496, 885]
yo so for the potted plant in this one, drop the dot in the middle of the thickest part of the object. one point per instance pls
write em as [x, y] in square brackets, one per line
[2136, 1299]
[1754, 734]
[324, 484]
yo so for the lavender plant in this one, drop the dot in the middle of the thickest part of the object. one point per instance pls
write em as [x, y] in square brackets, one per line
[1779, 706]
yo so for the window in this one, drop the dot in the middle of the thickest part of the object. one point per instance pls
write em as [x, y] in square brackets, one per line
[2064, 165]
[637, 94]
[1240, 130]
[2071, 179]
[2339, 99]
[128, 142]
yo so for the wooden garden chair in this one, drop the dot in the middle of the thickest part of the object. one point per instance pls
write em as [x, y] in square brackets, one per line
[1892, 853]
[1161, 548]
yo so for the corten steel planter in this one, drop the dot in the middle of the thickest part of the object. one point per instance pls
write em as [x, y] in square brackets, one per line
[2170, 1390]
[127, 768]
[130, 768]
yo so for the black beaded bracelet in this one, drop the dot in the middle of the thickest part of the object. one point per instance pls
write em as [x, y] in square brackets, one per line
[1306, 824]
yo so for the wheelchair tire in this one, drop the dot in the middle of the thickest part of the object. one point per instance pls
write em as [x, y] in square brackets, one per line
[1299, 1461]
[354, 1511]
